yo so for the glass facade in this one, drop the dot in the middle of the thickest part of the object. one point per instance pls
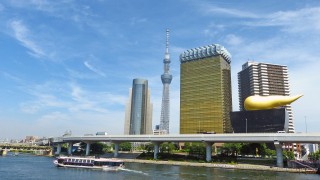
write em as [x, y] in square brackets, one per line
[205, 95]
[260, 121]
[138, 107]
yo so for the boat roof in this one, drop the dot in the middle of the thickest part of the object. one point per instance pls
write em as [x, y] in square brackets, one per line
[91, 158]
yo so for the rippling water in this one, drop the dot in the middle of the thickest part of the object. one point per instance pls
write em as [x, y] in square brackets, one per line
[27, 166]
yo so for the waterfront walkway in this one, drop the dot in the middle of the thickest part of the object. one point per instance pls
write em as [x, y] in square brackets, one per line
[226, 166]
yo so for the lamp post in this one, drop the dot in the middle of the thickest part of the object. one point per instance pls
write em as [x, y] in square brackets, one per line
[305, 121]
[246, 125]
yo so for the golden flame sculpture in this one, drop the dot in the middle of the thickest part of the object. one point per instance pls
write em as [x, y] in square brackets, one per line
[268, 102]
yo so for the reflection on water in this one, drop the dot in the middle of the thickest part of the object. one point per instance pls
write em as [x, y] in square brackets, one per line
[27, 166]
[134, 171]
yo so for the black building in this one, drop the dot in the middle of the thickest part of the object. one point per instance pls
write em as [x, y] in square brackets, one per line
[260, 121]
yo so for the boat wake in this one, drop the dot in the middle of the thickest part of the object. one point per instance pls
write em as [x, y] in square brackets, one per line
[134, 171]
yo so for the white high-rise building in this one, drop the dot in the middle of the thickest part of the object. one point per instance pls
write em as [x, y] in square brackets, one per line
[264, 79]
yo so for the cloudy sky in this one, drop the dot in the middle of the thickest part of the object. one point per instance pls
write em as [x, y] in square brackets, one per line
[68, 65]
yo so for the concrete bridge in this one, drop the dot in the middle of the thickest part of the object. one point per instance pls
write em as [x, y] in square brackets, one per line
[25, 147]
[208, 139]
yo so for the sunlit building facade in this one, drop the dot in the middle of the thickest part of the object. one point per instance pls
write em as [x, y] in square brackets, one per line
[138, 117]
[205, 90]
[264, 79]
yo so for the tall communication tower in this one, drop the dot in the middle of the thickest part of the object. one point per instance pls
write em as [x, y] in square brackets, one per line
[166, 78]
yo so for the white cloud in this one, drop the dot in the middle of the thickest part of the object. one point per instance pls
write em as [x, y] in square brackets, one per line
[55, 123]
[23, 35]
[176, 50]
[11, 77]
[43, 101]
[136, 20]
[41, 5]
[80, 75]
[94, 69]
[213, 10]
[70, 98]
[306, 19]
[213, 29]
[233, 40]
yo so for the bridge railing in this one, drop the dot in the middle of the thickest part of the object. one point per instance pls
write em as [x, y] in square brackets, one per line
[56, 139]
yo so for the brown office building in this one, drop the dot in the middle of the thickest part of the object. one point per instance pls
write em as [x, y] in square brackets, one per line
[205, 90]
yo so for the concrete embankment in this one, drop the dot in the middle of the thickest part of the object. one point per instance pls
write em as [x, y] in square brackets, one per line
[218, 165]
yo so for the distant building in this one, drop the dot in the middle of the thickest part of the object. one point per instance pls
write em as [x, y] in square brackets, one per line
[158, 131]
[31, 139]
[205, 90]
[260, 121]
[264, 79]
[138, 117]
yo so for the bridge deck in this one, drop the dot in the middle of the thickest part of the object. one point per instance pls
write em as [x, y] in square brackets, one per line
[239, 137]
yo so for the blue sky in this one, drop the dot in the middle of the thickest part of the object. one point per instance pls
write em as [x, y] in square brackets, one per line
[68, 65]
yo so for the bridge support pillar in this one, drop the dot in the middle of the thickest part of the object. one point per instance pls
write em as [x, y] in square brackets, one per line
[208, 151]
[58, 149]
[278, 146]
[88, 149]
[156, 149]
[116, 150]
[70, 148]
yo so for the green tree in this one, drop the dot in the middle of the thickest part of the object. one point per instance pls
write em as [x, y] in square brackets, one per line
[255, 149]
[270, 152]
[288, 155]
[198, 149]
[231, 148]
[149, 147]
[167, 147]
[125, 146]
[186, 147]
[98, 148]
[314, 156]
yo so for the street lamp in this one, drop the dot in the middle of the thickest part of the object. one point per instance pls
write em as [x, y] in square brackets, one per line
[305, 121]
[246, 125]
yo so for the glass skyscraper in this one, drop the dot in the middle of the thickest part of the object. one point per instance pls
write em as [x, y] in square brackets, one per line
[138, 117]
[205, 90]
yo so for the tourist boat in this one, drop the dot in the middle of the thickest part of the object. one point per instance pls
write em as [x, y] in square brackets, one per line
[89, 163]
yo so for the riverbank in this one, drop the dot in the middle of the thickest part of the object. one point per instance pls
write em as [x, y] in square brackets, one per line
[225, 166]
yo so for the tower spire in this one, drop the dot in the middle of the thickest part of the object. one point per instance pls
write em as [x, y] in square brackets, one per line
[166, 78]
[167, 41]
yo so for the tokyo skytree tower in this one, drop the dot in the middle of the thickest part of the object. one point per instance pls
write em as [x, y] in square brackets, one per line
[166, 78]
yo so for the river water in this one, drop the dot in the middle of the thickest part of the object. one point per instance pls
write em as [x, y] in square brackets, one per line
[27, 166]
